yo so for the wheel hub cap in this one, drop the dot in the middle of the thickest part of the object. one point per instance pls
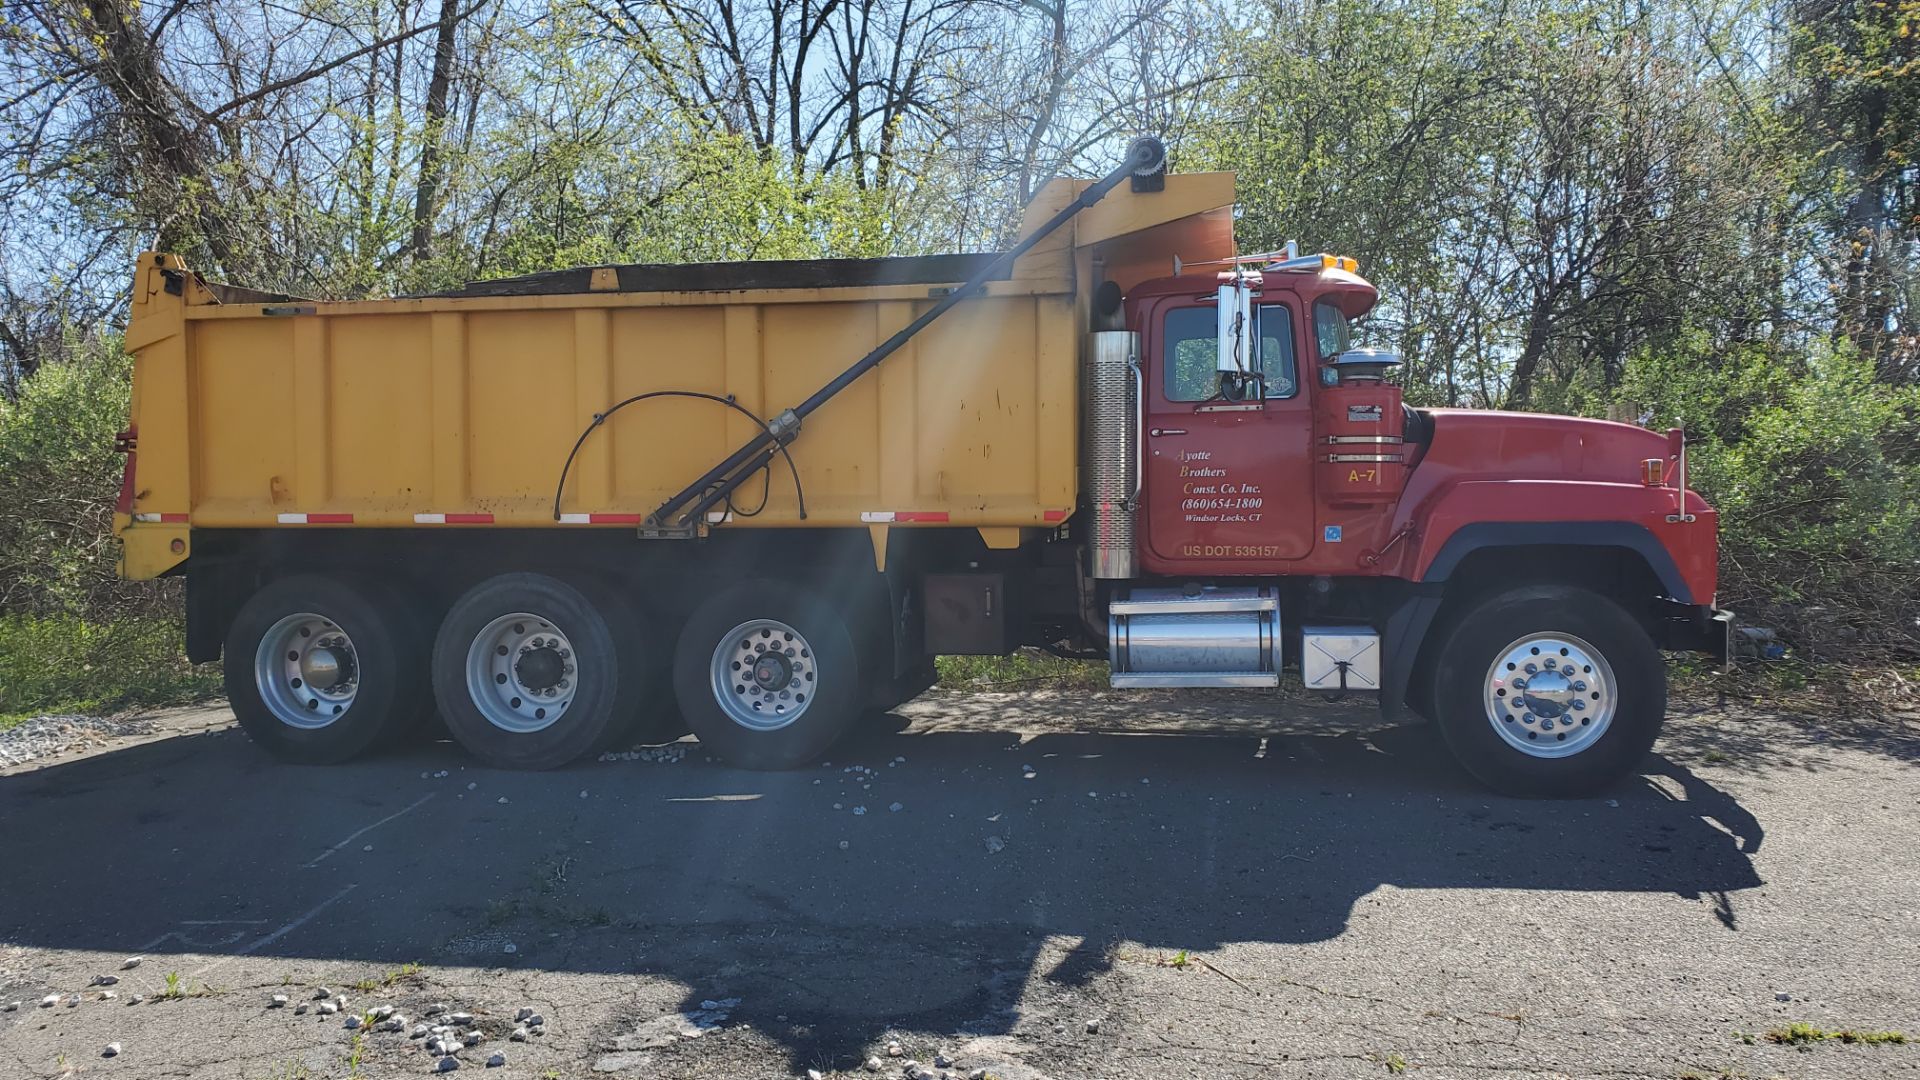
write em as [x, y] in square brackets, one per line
[763, 674]
[772, 672]
[1550, 695]
[541, 668]
[326, 667]
[306, 671]
[522, 673]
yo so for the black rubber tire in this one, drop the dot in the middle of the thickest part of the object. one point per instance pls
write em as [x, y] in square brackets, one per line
[1472, 644]
[392, 657]
[607, 638]
[839, 693]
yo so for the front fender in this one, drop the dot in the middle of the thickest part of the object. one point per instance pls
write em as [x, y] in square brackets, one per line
[1532, 513]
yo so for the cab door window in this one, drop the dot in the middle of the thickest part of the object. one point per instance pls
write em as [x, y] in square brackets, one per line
[1191, 352]
[1276, 350]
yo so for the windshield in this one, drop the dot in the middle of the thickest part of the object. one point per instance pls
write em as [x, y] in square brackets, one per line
[1330, 326]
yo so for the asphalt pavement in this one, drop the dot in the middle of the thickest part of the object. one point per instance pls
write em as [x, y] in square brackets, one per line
[1039, 885]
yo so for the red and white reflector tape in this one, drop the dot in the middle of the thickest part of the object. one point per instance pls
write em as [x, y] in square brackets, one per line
[901, 517]
[453, 519]
[601, 519]
[1053, 515]
[316, 519]
[174, 519]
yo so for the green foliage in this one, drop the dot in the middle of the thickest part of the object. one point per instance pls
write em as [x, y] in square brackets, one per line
[65, 664]
[1024, 669]
[1814, 466]
[74, 638]
[58, 477]
[1801, 1033]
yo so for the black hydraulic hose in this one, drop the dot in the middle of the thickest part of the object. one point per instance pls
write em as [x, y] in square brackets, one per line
[799, 494]
[1145, 155]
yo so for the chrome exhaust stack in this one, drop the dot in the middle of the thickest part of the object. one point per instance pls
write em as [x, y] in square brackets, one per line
[1110, 450]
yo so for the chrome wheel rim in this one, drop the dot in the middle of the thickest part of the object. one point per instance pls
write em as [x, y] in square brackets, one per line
[764, 674]
[522, 673]
[1550, 695]
[307, 671]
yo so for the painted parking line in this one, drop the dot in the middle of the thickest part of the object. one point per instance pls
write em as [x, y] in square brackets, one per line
[323, 856]
[290, 927]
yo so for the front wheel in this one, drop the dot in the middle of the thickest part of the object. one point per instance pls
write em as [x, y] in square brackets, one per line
[767, 675]
[1549, 691]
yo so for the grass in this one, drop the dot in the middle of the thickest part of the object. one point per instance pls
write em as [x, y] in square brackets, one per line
[1802, 1033]
[374, 982]
[1025, 668]
[1396, 1064]
[63, 664]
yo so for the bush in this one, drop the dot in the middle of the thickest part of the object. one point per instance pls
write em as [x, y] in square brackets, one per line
[62, 663]
[58, 479]
[73, 637]
[1815, 469]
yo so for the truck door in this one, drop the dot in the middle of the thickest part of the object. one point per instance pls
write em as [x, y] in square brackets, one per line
[1229, 485]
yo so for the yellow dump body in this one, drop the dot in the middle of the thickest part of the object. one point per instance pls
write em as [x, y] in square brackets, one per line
[459, 411]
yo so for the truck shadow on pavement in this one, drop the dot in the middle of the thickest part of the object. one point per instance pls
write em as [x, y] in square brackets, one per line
[937, 893]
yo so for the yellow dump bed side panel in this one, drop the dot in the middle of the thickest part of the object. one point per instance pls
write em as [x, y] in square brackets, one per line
[404, 413]
[460, 411]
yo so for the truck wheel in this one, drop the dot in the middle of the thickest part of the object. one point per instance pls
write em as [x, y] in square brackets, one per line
[530, 674]
[317, 673]
[767, 675]
[1549, 691]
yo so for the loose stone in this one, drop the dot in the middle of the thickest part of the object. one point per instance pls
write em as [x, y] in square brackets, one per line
[328, 1008]
[105, 980]
[131, 962]
[447, 1064]
[496, 1061]
[112, 1050]
[277, 1001]
[523, 1014]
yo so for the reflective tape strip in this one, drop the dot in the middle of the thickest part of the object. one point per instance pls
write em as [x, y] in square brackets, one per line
[172, 519]
[1054, 515]
[600, 519]
[316, 519]
[884, 517]
[717, 517]
[453, 519]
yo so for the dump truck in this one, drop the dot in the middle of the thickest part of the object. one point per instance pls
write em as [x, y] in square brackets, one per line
[753, 501]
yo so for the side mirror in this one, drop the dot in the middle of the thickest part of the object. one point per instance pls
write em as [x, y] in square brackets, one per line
[1239, 360]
